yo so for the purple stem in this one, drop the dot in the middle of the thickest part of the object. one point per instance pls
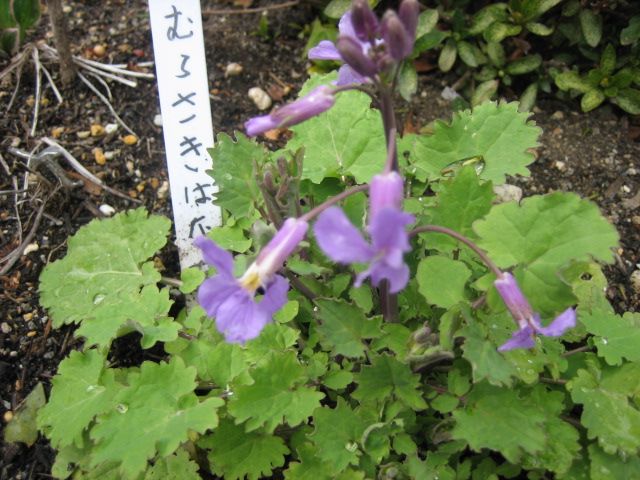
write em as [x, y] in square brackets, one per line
[333, 200]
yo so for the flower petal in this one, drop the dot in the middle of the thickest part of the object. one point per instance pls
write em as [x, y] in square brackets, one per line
[240, 319]
[387, 229]
[397, 275]
[523, 338]
[345, 25]
[347, 76]
[325, 50]
[562, 322]
[258, 125]
[215, 291]
[339, 239]
[514, 299]
[275, 295]
[215, 256]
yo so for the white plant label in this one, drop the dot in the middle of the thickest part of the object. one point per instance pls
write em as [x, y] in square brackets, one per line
[181, 71]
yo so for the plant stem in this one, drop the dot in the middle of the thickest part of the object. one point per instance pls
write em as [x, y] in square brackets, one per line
[461, 238]
[332, 201]
[389, 124]
[61, 39]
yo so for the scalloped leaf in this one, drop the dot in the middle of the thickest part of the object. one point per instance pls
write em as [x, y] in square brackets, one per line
[541, 235]
[237, 454]
[497, 133]
[174, 467]
[82, 389]
[234, 173]
[106, 284]
[518, 423]
[276, 396]
[345, 140]
[608, 413]
[153, 415]
[617, 337]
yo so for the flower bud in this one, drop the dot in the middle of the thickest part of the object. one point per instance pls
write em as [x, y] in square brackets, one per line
[398, 41]
[364, 21]
[514, 299]
[408, 12]
[352, 53]
[385, 191]
[284, 242]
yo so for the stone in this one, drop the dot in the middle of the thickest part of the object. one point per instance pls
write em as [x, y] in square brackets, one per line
[260, 98]
[507, 193]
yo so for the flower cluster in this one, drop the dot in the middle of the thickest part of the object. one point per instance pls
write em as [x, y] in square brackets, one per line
[368, 46]
[370, 49]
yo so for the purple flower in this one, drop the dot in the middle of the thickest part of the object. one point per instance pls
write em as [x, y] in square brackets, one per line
[528, 321]
[343, 243]
[319, 100]
[231, 301]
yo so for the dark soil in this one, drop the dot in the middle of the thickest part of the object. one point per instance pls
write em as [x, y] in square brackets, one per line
[590, 154]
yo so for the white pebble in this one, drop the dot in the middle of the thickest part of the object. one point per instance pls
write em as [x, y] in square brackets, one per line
[260, 98]
[635, 281]
[32, 247]
[111, 127]
[232, 70]
[5, 327]
[107, 210]
[163, 190]
[449, 94]
[560, 165]
[507, 193]
[157, 120]
[111, 155]
[129, 166]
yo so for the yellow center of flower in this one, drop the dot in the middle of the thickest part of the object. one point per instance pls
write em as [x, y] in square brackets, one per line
[250, 281]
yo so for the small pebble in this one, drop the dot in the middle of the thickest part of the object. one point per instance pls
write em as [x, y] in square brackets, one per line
[635, 281]
[130, 139]
[157, 120]
[626, 189]
[48, 355]
[632, 171]
[57, 132]
[13, 354]
[557, 115]
[8, 415]
[32, 247]
[163, 190]
[31, 334]
[27, 316]
[83, 134]
[99, 156]
[106, 209]
[111, 155]
[111, 128]
[507, 193]
[233, 70]
[5, 328]
[130, 166]
[261, 99]
[636, 220]
[97, 130]
[99, 50]
[560, 165]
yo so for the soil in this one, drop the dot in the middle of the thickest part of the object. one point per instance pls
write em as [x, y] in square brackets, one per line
[594, 155]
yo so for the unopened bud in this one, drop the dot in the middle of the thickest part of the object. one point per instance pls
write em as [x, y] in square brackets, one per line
[398, 41]
[283, 167]
[408, 12]
[352, 53]
[364, 21]
[267, 180]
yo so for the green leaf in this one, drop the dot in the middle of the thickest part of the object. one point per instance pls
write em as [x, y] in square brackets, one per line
[617, 337]
[310, 467]
[607, 467]
[237, 454]
[571, 79]
[6, 19]
[461, 201]
[274, 337]
[230, 238]
[338, 379]
[524, 65]
[607, 412]
[336, 435]
[628, 99]
[234, 173]
[448, 56]
[517, 424]
[105, 284]
[497, 133]
[23, 427]
[276, 396]
[427, 21]
[484, 92]
[541, 235]
[408, 81]
[395, 337]
[496, 54]
[528, 98]
[591, 24]
[174, 467]
[608, 60]
[82, 389]
[591, 100]
[467, 54]
[539, 29]
[631, 33]
[160, 406]
[496, 12]
[486, 362]
[26, 12]
[345, 140]
[344, 327]
[191, 279]
[441, 280]
[498, 31]
[387, 376]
